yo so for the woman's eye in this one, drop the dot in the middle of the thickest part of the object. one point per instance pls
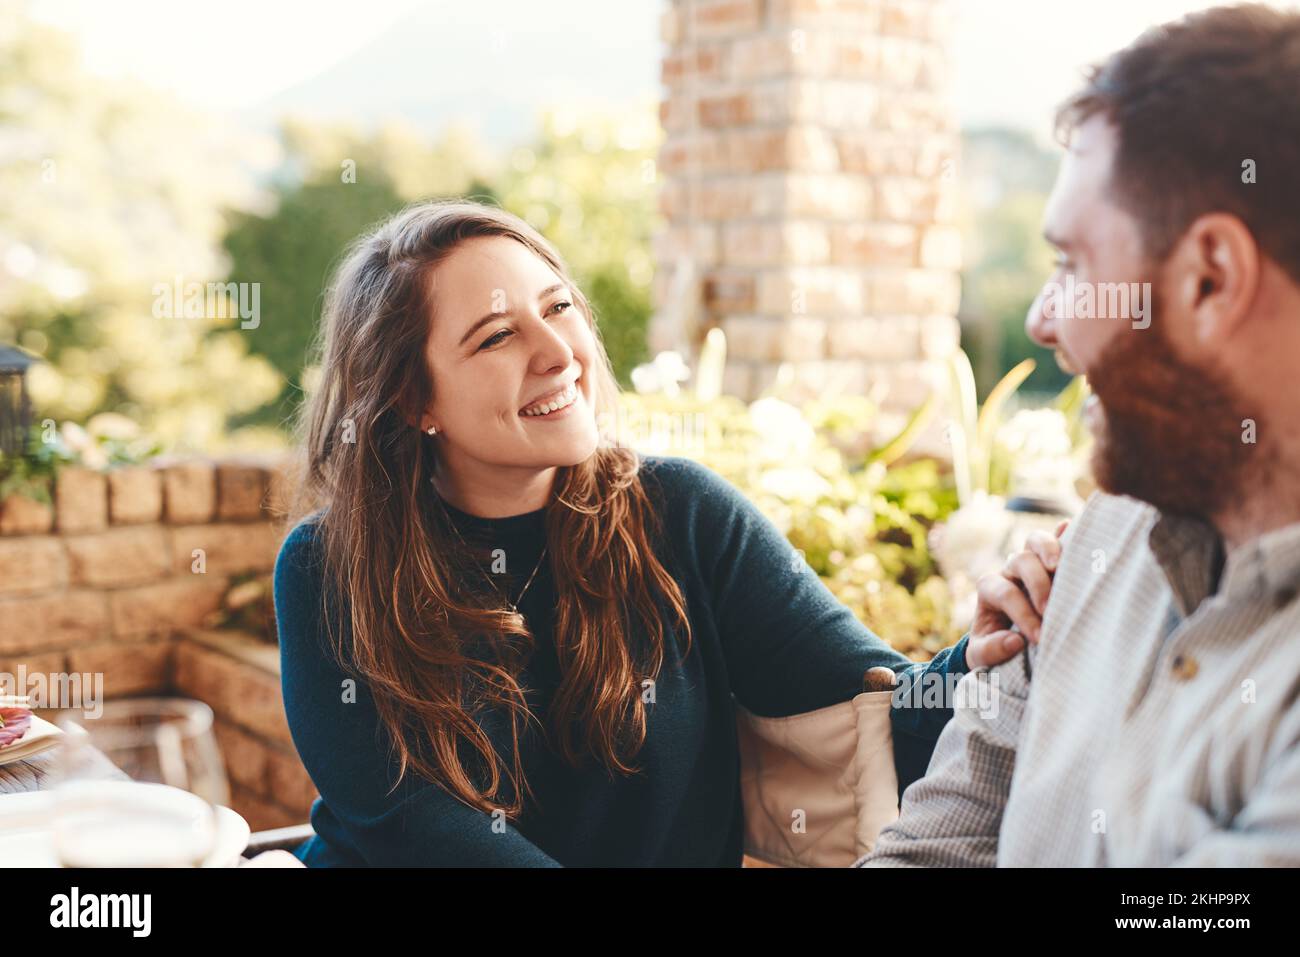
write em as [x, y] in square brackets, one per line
[502, 334]
[494, 339]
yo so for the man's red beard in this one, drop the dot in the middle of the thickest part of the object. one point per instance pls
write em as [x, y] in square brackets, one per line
[1173, 433]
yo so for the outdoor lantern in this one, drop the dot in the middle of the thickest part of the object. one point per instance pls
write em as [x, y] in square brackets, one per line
[15, 408]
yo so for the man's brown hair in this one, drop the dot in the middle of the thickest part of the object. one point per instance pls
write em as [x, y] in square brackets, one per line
[1193, 101]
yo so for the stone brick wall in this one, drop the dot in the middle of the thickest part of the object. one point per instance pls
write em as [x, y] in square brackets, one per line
[239, 678]
[120, 575]
[807, 183]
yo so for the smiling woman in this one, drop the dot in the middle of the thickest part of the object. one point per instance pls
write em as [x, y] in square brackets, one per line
[500, 377]
[504, 640]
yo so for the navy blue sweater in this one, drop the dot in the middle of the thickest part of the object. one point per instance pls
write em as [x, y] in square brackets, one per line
[764, 632]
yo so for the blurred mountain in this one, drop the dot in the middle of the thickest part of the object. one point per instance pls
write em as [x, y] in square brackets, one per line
[490, 65]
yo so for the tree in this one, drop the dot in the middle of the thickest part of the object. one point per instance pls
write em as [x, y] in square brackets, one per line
[291, 254]
[112, 191]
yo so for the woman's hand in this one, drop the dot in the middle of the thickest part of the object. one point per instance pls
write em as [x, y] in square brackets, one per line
[1016, 598]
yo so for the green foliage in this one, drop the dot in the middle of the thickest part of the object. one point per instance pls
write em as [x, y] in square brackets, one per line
[119, 453]
[32, 472]
[862, 527]
[291, 254]
[1007, 177]
[623, 311]
[81, 294]
[978, 467]
[897, 447]
[108, 441]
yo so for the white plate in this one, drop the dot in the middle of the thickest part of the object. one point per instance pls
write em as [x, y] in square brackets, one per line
[25, 833]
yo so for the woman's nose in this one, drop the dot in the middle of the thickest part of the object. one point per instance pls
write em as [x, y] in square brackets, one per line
[550, 350]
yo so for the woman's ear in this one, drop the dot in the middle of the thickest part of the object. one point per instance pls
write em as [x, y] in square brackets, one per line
[422, 422]
[425, 424]
[416, 417]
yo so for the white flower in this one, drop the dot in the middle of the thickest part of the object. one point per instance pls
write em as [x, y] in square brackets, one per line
[972, 541]
[794, 484]
[784, 434]
[1042, 460]
[86, 448]
[110, 425]
[1036, 432]
[661, 375]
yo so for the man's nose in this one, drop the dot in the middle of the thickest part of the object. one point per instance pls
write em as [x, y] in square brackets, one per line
[1040, 324]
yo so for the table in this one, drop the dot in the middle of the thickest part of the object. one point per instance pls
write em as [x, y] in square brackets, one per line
[34, 773]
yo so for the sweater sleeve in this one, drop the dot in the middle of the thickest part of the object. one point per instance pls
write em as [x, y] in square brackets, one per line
[790, 645]
[345, 748]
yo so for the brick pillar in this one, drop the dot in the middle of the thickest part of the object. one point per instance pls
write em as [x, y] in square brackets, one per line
[808, 179]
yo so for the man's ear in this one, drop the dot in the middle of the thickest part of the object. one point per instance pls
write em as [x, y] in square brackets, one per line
[1216, 274]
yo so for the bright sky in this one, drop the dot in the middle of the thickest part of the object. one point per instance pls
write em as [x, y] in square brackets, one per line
[227, 54]
[1015, 59]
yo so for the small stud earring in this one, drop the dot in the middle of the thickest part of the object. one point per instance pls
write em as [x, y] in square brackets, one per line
[432, 430]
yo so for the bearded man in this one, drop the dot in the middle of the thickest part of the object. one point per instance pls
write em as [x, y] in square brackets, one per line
[1156, 722]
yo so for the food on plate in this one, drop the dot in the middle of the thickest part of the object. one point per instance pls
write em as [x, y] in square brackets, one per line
[14, 722]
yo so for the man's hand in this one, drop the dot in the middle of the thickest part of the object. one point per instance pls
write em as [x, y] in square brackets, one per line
[1016, 598]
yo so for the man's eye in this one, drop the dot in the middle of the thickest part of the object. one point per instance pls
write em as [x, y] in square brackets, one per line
[494, 339]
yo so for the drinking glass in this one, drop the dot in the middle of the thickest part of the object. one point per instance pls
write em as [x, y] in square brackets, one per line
[138, 786]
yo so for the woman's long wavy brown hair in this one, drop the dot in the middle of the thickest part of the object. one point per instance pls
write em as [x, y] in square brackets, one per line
[431, 654]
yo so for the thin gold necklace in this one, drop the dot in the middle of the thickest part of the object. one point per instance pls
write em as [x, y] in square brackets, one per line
[512, 605]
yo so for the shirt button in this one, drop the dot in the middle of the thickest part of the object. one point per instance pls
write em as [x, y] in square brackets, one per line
[1185, 667]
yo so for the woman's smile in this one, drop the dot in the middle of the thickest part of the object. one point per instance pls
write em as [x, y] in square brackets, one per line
[552, 402]
[560, 405]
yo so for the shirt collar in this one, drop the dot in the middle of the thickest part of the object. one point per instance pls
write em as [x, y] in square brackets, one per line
[1267, 567]
[1190, 552]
